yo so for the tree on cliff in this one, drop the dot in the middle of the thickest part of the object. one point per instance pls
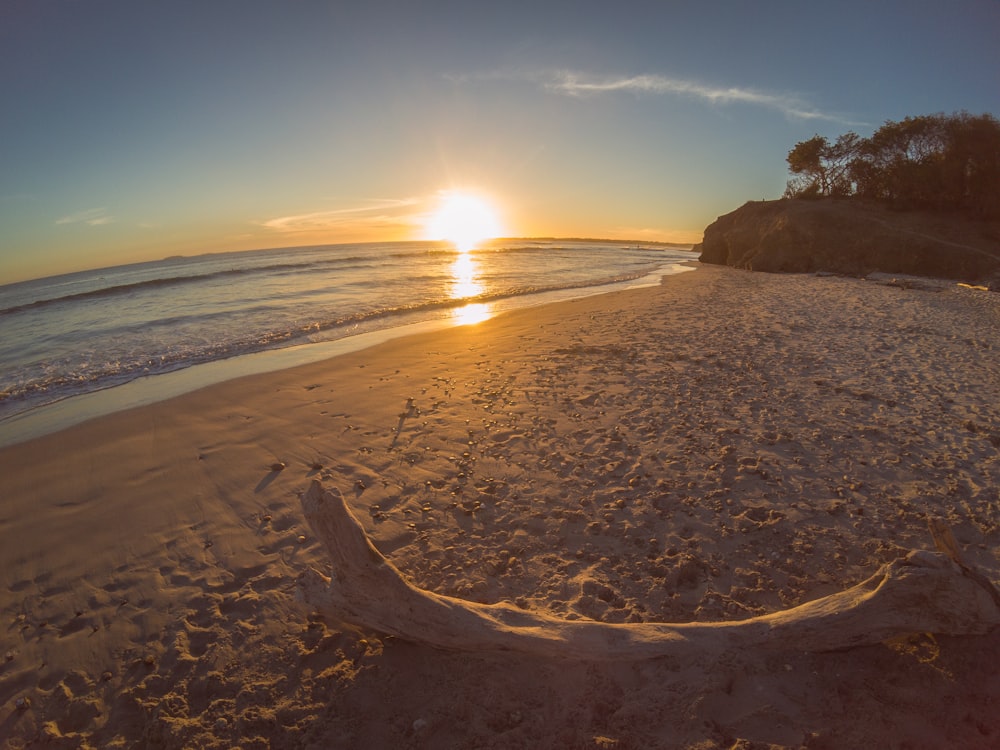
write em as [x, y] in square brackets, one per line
[822, 168]
[938, 162]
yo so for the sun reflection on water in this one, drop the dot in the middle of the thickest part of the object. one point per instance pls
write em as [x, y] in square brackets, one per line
[465, 284]
[463, 273]
[476, 312]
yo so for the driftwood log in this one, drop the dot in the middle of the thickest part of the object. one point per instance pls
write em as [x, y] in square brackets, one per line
[925, 592]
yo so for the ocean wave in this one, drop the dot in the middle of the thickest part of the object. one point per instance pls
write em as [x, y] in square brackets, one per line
[117, 290]
[55, 381]
[371, 258]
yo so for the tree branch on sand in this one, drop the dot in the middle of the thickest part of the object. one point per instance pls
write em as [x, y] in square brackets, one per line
[925, 592]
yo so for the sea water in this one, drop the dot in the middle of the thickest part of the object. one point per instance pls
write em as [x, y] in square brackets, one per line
[67, 336]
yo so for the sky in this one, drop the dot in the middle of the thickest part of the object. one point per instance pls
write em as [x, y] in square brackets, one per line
[132, 131]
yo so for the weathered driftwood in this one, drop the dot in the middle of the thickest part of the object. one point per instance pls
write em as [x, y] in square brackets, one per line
[926, 592]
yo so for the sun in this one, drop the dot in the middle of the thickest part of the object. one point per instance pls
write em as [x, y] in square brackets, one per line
[464, 219]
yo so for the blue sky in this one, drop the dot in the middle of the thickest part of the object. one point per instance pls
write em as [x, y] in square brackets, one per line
[132, 131]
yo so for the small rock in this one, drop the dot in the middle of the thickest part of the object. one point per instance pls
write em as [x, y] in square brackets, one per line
[420, 725]
[23, 703]
[278, 466]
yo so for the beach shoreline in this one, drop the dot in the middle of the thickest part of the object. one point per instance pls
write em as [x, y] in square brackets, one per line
[722, 445]
[67, 343]
[67, 411]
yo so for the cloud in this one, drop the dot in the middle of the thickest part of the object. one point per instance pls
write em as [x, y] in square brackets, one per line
[379, 212]
[579, 84]
[93, 217]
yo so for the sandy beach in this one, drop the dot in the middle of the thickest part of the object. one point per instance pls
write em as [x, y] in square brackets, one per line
[721, 446]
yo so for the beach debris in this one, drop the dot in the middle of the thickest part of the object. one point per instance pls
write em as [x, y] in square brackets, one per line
[278, 466]
[944, 540]
[923, 592]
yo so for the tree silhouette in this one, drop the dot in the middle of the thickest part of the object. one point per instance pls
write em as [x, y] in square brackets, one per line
[937, 162]
[822, 168]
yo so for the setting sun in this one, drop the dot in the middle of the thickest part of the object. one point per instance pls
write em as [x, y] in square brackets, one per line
[464, 220]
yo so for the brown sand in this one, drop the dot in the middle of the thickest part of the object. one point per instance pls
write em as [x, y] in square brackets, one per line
[723, 445]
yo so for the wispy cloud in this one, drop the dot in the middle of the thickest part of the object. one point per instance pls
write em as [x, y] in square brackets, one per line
[380, 212]
[580, 84]
[93, 217]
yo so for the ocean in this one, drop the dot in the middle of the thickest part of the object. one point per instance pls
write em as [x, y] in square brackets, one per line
[64, 337]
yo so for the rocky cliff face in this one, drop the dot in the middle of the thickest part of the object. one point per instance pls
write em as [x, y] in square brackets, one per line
[845, 236]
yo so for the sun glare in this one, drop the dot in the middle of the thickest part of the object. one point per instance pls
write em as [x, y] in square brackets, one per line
[471, 314]
[464, 273]
[464, 220]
